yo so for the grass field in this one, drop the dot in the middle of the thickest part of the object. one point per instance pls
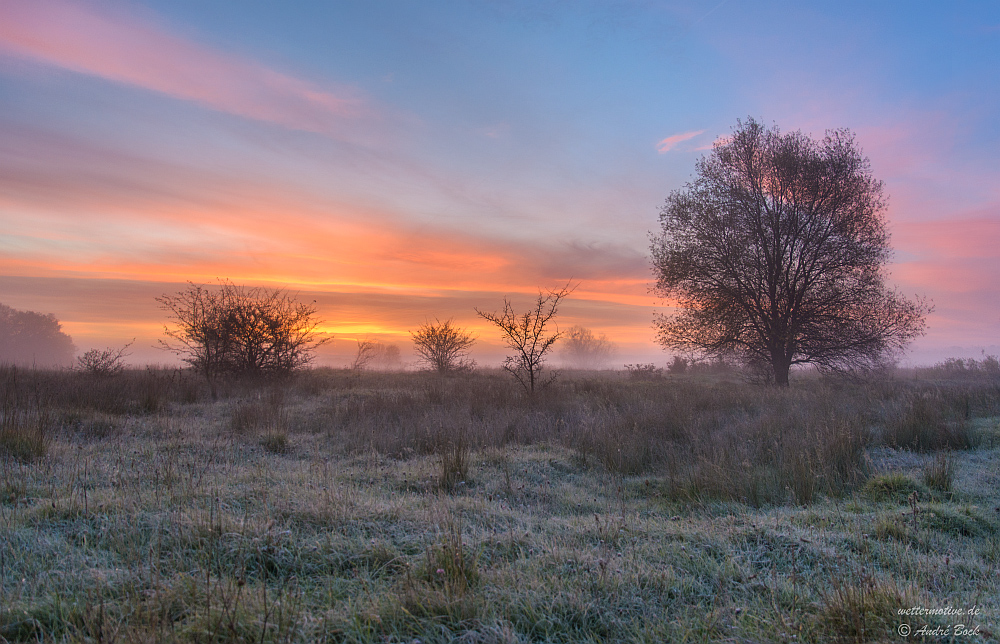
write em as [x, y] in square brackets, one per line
[401, 507]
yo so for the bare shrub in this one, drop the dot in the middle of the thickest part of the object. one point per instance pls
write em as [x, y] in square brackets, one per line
[388, 358]
[240, 329]
[529, 336]
[443, 347]
[103, 362]
[375, 354]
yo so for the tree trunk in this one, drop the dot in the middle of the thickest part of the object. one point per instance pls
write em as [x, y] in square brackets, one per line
[781, 366]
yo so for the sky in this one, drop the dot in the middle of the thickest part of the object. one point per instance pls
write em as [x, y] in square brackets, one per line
[400, 162]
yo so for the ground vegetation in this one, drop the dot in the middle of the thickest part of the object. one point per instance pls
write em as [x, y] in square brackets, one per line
[337, 505]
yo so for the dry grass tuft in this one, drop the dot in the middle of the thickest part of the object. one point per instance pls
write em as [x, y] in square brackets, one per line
[25, 422]
[453, 457]
[893, 486]
[926, 421]
[863, 611]
[939, 473]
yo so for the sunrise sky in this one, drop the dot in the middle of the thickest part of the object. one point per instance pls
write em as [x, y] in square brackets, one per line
[401, 161]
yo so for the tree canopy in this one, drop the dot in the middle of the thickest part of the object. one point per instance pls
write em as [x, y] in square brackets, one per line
[33, 339]
[776, 253]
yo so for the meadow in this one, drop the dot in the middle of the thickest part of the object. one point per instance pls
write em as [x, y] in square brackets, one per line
[353, 506]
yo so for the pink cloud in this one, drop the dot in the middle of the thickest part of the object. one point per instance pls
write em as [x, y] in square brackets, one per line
[974, 235]
[124, 49]
[668, 144]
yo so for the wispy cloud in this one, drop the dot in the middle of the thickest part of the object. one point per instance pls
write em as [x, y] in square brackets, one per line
[69, 207]
[668, 144]
[122, 48]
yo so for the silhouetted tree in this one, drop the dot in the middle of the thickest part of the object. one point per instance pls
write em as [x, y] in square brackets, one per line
[239, 329]
[33, 339]
[366, 353]
[374, 354]
[775, 254]
[443, 347]
[583, 349]
[528, 335]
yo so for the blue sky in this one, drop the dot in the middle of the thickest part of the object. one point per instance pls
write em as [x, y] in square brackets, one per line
[404, 160]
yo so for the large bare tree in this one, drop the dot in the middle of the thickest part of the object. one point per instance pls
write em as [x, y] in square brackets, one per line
[776, 254]
[529, 335]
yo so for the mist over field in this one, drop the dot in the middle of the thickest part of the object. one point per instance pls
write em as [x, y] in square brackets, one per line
[499, 322]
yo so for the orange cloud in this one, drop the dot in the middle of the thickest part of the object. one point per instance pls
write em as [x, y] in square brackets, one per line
[76, 209]
[668, 144]
[124, 49]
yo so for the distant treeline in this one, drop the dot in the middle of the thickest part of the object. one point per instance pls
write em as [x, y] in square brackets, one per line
[33, 339]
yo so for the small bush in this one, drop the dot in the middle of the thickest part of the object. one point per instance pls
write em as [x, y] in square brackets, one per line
[103, 362]
[678, 366]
